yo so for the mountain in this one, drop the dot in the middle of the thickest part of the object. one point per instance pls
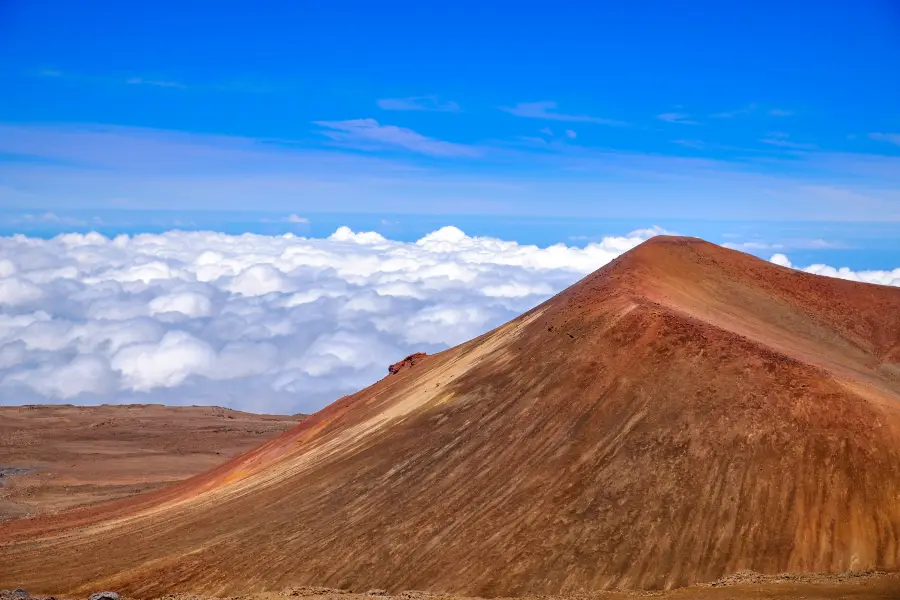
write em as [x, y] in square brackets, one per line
[684, 413]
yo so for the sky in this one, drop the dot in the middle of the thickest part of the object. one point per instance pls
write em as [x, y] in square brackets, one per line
[263, 206]
[651, 109]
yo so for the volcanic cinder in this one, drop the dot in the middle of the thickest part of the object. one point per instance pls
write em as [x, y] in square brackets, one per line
[683, 413]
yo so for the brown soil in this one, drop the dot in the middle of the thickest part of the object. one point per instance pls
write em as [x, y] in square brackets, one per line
[844, 586]
[683, 414]
[58, 457]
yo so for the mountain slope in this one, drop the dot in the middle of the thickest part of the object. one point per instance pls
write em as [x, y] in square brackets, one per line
[683, 413]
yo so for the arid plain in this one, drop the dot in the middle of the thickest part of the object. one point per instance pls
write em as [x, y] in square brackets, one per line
[58, 457]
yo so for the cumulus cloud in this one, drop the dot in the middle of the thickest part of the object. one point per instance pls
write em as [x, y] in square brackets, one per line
[261, 323]
[877, 277]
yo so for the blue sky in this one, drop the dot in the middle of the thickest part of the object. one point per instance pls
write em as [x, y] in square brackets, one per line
[641, 110]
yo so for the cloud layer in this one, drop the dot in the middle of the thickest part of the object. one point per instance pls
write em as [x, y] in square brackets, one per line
[874, 276]
[261, 323]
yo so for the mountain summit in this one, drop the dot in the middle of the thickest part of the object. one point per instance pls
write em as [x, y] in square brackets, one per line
[683, 413]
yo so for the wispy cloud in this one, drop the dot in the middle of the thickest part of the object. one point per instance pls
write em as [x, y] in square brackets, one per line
[292, 218]
[89, 166]
[153, 82]
[571, 134]
[48, 219]
[50, 73]
[891, 138]
[423, 103]
[674, 117]
[369, 134]
[782, 140]
[780, 112]
[695, 144]
[730, 114]
[547, 110]
[795, 244]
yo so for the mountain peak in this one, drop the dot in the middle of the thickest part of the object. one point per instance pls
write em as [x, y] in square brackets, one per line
[683, 413]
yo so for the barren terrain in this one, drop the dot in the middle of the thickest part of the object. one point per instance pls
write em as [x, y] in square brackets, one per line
[58, 457]
[684, 414]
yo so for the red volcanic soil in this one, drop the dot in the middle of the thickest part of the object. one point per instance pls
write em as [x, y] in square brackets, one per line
[684, 413]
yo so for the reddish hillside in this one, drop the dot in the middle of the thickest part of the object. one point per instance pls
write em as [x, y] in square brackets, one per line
[681, 414]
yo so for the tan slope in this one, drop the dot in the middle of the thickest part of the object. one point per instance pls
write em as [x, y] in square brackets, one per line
[684, 413]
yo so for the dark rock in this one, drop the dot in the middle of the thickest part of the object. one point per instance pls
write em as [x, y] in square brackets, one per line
[104, 596]
[408, 362]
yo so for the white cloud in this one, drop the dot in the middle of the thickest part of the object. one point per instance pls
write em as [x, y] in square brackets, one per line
[259, 280]
[369, 134]
[189, 304]
[295, 218]
[425, 103]
[878, 277]
[571, 134]
[15, 291]
[547, 110]
[263, 323]
[85, 374]
[177, 356]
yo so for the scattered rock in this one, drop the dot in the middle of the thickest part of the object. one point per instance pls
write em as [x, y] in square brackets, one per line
[305, 590]
[408, 362]
[377, 592]
[104, 596]
[11, 471]
[746, 576]
[19, 594]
